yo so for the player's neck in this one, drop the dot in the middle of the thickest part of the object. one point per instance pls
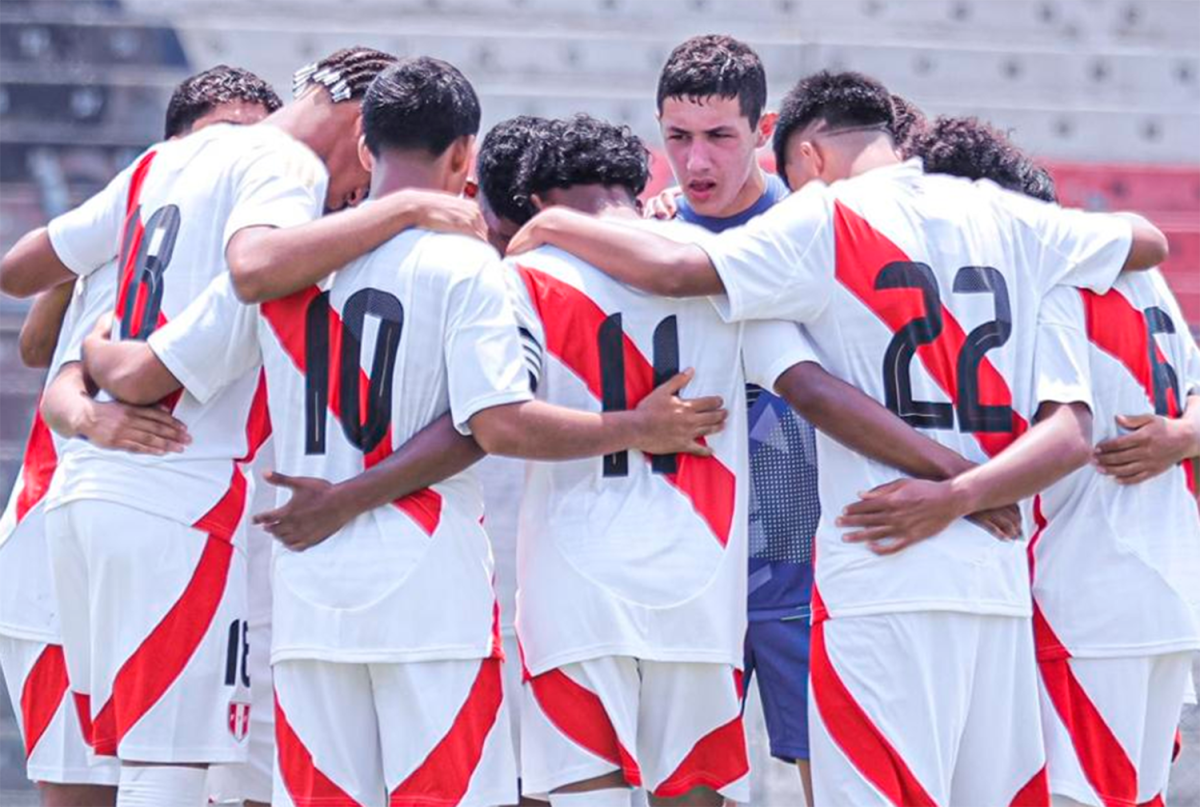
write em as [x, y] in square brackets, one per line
[392, 173]
[751, 192]
[878, 153]
[596, 200]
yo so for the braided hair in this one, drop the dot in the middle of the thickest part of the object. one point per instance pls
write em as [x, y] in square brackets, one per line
[345, 73]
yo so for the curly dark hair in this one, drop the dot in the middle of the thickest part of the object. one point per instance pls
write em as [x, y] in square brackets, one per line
[345, 74]
[908, 122]
[499, 162]
[196, 96]
[584, 151]
[973, 149]
[840, 99]
[715, 64]
[419, 103]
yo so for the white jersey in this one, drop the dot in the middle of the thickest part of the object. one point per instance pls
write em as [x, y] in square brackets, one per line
[628, 554]
[168, 218]
[27, 608]
[1114, 566]
[922, 291]
[502, 479]
[419, 327]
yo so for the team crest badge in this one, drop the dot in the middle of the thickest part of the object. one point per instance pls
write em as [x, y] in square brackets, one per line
[239, 720]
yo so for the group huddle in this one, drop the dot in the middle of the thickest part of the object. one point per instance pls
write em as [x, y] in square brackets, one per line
[994, 400]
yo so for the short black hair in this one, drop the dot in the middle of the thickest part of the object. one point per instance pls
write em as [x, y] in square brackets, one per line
[973, 149]
[345, 74]
[840, 99]
[419, 103]
[715, 64]
[584, 151]
[499, 163]
[196, 96]
[908, 121]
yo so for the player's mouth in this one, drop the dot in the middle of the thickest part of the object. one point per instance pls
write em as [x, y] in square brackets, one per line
[701, 190]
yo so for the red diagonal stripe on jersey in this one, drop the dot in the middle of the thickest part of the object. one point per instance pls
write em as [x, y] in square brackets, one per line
[580, 715]
[306, 785]
[132, 241]
[857, 736]
[1118, 328]
[718, 760]
[862, 252]
[83, 710]
[1036, 792]
[38, 465]
[42, 694]
[162, 655]
[1157, 801]
[445, 775]
[258, 423]
[571, 321]
[1104, 762]
[286, 317]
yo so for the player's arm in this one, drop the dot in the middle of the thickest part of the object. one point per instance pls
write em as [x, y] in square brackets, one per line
[272, 262]
[128, 369]
[69, 409]
[632, 255]
[32, 266]
[40, 330]
[1059, 442]
[1148, 245]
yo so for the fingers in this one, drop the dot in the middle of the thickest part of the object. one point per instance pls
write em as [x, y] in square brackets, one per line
[1135, 421]
[865, 507]
[706, 404]
[884, 489]
[695, 449]
[1122, 443]
[268, 517]
[677, 382]
[890, 546]
[871, 534]
[282, 480]
[876, 519]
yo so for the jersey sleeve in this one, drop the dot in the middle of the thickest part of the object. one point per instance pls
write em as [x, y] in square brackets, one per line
[89, 236]
[95, 298]
[529, 324]
[772, 347]
[276, 187]
[1074, 247]
[483, 351]
[212, 343]
[1062, 367]
[780, 264]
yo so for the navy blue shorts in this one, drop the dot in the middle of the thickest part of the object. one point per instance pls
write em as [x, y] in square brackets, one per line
[777, 651]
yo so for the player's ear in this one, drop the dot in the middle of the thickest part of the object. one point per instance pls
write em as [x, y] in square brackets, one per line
[766, 128]
[365, 158]
[460, 156]
[537, 202]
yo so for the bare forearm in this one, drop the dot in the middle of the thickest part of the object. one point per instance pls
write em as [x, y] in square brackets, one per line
[32, 266]
[1190, 424]
[864, 425]
[536, 430]
[634, 255]
[66, 402]
[434, 454]
[40, 330]
[1058, 444]
[268, 263]
[1149, 247]
[128, 370]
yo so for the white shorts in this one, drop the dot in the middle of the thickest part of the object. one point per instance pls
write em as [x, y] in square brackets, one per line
[1110, 725]
[153, 625]
[421, 734]
[925, 708]
[55, 749]
[512, 689]
[668, 726]
[252, 780]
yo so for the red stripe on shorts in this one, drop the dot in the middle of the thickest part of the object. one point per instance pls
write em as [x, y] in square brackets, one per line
[1036, 792]
[42, 694]
[718, 760]
[445, 775]
[38, 464]
[162, 656]
[306, 785]
[857, 736]
[572, 323]
[579, 714]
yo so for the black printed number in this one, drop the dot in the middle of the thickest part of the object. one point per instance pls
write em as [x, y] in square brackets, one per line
[237, 653]
[363, 435]
[1162, 375]
[153, 257]
[973, 414]
[611, 338]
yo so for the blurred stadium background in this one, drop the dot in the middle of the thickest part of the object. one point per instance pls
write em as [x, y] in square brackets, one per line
[1105, 92]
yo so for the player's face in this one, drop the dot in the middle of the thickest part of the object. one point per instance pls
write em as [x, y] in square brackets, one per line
[500, 229]
[349, 179]
[711, 147]
[242, 113]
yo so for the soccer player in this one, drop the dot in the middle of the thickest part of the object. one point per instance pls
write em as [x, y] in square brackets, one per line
[30, 645]
[923, 291]
[1112, 678]
[386, 633]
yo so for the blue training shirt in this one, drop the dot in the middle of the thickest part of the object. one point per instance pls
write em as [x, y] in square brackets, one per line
[784, 505]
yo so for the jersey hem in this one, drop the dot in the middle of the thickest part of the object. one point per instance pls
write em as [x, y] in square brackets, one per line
[29, 635]
[558, 660]
[489, 402]
[161, 511]
[1135, 651]
[979, 609]
[333, 655]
